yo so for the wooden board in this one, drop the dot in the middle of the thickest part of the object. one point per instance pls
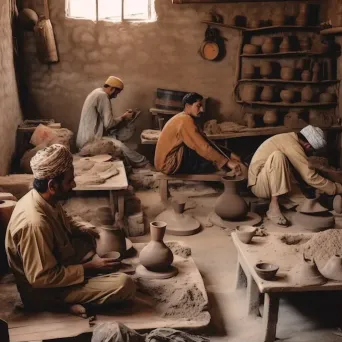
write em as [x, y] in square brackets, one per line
[271, 249]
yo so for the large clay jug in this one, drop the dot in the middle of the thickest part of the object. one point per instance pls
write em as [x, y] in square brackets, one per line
[333, 268]
[111, 239]
[266, 69]
[268, 46]
[156, 256]
[249, 92]
[287, 73]
[307, 94]
[270, 117]
[230, 205]
[287, 95]
[267, 94]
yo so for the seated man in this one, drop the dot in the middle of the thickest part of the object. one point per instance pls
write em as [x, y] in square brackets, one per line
[270, 169]
[183, 147]
[53, 268]
[97, 119]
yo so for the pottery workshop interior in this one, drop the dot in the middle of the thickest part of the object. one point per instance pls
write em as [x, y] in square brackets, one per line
[170, 171]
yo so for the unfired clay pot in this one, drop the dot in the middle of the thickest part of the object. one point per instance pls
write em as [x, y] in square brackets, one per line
[270, 117]
[249, 119]
[307, 94]
[245, 233]
[267, 93]
[287, 95]
[302, 18]
[156, 256]
[111, 239]
[268, 46]
[285, 45]
[278, 17]
[326, 98]
[249, 71]
[230, 205]
[337, 204]
[287, 73]
[333, 268]
[265, 69]
[249, 92]
[306, 75]
[254, 23]
[250, 49]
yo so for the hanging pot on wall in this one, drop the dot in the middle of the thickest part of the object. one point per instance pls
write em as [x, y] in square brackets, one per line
[212, 48]
[28, 18]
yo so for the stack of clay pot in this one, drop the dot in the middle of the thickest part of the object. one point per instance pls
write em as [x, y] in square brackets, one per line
[312, 216]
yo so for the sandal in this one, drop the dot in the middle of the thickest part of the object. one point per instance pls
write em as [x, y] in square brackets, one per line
[279, 220]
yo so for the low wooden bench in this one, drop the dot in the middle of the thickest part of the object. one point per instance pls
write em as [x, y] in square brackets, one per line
[164, 179]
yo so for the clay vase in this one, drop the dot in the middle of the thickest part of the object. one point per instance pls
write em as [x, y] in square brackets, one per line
[287, 95]
[250, 49]
[333, 268]
[285, 45]
[249, 93]
[268, 46]
[306, 273]
[266, 69]
[249, 71]
[315, 72]
[270, 117]
[249, 120]
[305, 44]
[326, 98]
[287, 73]
[307, 94]
[111, 239]
[302, 19]
[156, 256]
[279, 17]
[306, 76]
[267, 94]
[230, 205]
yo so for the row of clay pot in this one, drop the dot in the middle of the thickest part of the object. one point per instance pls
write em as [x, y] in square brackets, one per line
[251, 92]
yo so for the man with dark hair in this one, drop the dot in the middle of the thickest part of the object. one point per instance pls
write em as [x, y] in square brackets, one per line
[97, 119]
[52, 256]
[183, 147]
[282, 156]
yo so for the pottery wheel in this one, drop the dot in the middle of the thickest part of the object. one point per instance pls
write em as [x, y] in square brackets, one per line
[314, 223]
[250, 220]
[179, 224]
[143, 272]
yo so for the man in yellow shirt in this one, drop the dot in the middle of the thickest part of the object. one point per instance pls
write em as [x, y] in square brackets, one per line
[53, 257]
[183, 147]
[270, 170]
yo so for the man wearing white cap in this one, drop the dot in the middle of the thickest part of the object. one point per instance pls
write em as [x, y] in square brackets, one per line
[53, 257]
[269, 174]
[97, 119]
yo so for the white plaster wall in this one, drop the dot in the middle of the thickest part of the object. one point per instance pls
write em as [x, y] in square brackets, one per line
[10, 113]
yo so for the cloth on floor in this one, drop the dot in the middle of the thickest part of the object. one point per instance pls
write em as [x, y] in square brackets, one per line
[172, 335]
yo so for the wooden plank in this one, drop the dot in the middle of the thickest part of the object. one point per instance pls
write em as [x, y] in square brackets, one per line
[270, 317]
[294, 104]
[213, 177]
[290, 54]
[269, 80]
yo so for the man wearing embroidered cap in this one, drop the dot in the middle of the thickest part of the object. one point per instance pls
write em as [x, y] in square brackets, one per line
[51, 255]
[282, 156]
[97, 119]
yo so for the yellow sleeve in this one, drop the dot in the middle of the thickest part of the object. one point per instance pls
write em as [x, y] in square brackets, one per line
[193, 139]
[40, 266]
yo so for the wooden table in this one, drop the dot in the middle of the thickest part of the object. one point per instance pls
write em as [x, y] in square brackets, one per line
[116, 187]
[270, 249]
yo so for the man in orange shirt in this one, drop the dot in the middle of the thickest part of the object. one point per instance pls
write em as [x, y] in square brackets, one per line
[183, 147]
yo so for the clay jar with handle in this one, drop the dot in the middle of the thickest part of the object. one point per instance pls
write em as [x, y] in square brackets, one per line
[287, 73]
[266, 69]
[270, 117]
[307, 94]
[285, 45]
[267, 94]
[156, 256]
[249, 92]
[287, 95]
[230, 205]
[111, 239]
[268, 46]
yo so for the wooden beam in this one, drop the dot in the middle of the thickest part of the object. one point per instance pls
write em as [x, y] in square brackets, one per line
[177, 2]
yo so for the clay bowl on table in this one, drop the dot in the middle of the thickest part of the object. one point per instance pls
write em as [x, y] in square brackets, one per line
[245, 233]
[117, 258]
[266, 270]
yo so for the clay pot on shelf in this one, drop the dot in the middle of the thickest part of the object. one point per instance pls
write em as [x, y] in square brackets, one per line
[250, 49]
[237, 209]
[266, 69]
[267, 94]
[156, 256]
[300, 65]
[249, 120]
[293, 120]
[287, 73]
[319, 119]
[249, 93]
[111, 239]
[268, 46]
[302, 18]
[249, 71]
[270, 117]
[327, 98]
[285, 45]
[314, 116]
[306, 76]
[287, 95]
[307, 94]
[315, 72]
[278, 17]
[333, 268]
[305, 44]
[253, 23]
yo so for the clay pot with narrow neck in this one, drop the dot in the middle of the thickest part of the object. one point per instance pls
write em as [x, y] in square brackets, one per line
[285, 45]
[270, 117]
[267, 94]
[111, 239]
[230, 205]
[333, 268]
[156, 256]
[249, 92]
[249, 119]
[307, 94]
[266, 69]
[287, 95]
[287, 73]
[268, 46]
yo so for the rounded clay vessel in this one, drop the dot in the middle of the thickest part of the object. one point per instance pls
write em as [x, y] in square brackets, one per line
[156, 256]
[270, 117]
[287, 95]
[245, 233]
[268, 46]
[250, 49]
[287, 73]
[230, 205]
[285, 45]
[249, 92]
[267, 94]
[111, 239]
[266, 270]
[306, 75]
[249, 119]
[305, 43]
[307, 94]
[265, 69]
[249, 71]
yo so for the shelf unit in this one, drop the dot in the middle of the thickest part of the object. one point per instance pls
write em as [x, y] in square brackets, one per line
[289, 54]
[289, 104]
[295, 82]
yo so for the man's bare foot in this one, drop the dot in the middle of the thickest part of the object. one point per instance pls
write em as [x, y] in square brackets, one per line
[275, 215]
[78, 310]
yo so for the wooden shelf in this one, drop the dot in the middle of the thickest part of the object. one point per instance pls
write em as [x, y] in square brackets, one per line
[294, 104]
[331, 31]
[269, 80]
[265, 28]
[281, 54]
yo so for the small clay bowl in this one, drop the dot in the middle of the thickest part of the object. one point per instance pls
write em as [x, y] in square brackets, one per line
[245, 233]
[112, 255]
[265, 270]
